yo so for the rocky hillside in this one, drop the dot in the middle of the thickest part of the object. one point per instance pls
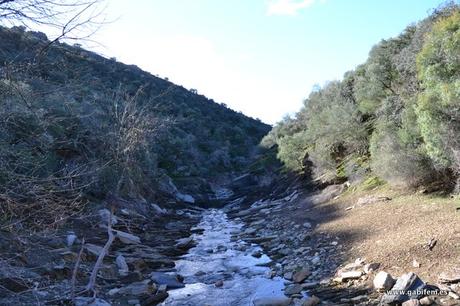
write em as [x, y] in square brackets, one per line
[75, 126]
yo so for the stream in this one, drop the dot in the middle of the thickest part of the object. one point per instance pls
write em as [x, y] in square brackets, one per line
[220, 270]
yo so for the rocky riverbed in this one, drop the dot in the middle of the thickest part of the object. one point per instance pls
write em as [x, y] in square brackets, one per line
[256, 250]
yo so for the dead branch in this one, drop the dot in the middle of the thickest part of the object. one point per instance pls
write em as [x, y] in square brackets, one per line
[100, 258]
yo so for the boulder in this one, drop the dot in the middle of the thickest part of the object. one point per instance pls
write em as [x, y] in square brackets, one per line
[272, 301]
[301, 275]
[408, 282]
[293, 289]
[383, 281]
[170, 281]
[184, 243]
[127, 238]
[185, 198]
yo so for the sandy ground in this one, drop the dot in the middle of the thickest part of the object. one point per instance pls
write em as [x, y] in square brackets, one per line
[392, 233]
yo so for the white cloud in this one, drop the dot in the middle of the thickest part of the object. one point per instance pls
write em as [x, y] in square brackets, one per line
[287, 7]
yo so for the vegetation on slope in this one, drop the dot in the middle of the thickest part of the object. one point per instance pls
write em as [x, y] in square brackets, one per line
[397, 116]
[75, 126]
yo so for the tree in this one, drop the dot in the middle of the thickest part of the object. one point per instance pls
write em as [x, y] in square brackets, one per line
[438, 107]
[67, 19]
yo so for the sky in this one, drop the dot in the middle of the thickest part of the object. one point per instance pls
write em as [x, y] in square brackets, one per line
[261, 57]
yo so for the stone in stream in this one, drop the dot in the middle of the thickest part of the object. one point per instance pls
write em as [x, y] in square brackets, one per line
[301, 275]
[288, 275]
[184, 243]
[293, 289]
[272, 301]
[383, 281]
[165, 279]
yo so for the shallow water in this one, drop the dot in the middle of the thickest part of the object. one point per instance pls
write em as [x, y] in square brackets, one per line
[216, 257]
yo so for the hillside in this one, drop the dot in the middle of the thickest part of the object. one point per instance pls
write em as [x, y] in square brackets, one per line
[82, 125]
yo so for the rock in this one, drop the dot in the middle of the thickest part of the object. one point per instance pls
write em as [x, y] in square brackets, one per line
[158, 209]
[13, 284]
[407, 282]
[371, 267]
[307, 225]
[219, 283]
[415, 264]
[311, 301]
[185, 198]
[383, 281]
[293, 289]
[105, 214]
[121, 264]
[127, 238]
[315, 260]
[301, 275]
[184, 243]
[310, 285]
[93, 249]
[155, 299]
[138, 288]
[257, 254]
[70, 239]
[165, 279]
[272, 301]
[350, 275]
[372, 199]
[288, 275]
[449, 277]
[89, 301]
[426, 301]
[411, 302]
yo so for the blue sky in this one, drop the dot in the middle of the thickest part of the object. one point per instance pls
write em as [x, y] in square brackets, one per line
[261, 57]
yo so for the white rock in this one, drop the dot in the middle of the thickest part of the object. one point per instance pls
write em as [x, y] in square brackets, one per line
[383, 281]
[350, 275]
[70, 239]
[121, 264]
[185, 198]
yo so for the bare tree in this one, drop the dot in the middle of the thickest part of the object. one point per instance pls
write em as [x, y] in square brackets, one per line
[66, 19]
